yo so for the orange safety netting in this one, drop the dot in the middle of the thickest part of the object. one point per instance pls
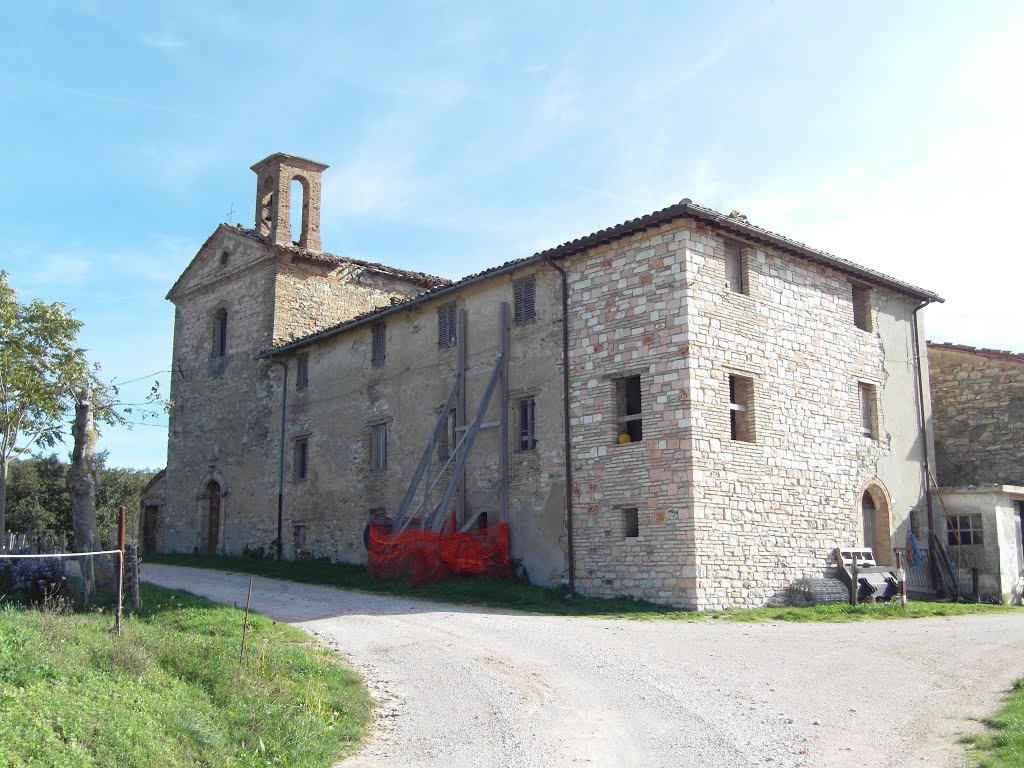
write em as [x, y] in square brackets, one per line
[420, 556]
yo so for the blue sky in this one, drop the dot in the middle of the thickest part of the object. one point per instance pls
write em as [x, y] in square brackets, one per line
[461, 135]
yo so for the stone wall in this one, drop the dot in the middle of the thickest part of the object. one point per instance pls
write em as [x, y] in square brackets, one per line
[221, 427]
[315, 294]
[978, 397]
[685, 515]
[347, 396]
[726, 522]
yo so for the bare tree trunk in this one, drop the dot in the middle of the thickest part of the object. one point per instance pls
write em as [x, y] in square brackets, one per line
[4, 466]
[82, 486]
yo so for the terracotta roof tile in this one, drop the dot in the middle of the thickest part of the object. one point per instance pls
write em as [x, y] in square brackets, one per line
[683, 209]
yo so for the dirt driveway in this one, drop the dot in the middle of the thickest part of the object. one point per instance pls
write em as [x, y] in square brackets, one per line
[475, 687]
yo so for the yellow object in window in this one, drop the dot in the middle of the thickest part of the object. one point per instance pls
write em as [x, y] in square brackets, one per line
[624, 438]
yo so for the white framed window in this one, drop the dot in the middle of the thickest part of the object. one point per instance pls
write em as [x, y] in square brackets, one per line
[741, 408]
[965, 530]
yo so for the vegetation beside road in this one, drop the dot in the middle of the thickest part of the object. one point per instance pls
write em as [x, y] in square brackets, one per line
[517, 595]
[170, 690]
[1003, 747]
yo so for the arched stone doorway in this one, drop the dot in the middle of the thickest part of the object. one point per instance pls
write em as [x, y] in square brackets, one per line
[213, 503]
[875, 522]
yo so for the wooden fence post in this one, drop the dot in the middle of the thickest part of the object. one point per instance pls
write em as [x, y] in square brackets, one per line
[855, 588]
[133, 574]
[120, 570]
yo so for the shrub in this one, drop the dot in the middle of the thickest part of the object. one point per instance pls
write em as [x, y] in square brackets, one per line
[39, 579]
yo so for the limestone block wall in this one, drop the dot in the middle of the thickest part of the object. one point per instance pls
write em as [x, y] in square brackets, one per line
[311, 295]
[347, 396]
[979, 415]
[628, 314]
[771, 509]
[218, 422]
[723, 522]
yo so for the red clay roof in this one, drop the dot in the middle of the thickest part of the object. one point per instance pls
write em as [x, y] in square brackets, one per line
[683, 209]
[420, 278]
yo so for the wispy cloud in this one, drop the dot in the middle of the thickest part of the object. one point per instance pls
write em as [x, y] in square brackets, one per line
[165, 41]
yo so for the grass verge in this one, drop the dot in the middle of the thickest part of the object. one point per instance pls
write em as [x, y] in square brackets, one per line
[169, 691]
[1003, 747]
[500, 593]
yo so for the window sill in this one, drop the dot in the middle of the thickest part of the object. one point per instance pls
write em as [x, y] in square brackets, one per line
[216, 366]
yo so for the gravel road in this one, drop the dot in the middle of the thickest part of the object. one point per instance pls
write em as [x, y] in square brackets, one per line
[466, 686]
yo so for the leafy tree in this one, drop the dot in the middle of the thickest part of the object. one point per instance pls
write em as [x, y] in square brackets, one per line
[37, 496]
[41, 367]
[38, 500]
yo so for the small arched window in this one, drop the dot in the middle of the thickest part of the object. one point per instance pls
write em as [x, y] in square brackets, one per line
[220, 334]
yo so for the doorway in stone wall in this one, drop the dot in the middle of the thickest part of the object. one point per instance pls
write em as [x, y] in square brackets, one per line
[149, 528]
[874, 509]
[213, 517]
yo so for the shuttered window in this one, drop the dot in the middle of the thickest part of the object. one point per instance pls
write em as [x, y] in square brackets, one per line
[446, 324]
[379, 447]
[300, 460]
[302, 371]
[379, 341]
[524, 290]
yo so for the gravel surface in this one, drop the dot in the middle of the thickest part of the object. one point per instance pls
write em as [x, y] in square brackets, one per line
[466, 686]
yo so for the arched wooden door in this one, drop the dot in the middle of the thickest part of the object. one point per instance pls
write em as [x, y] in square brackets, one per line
[213, 518]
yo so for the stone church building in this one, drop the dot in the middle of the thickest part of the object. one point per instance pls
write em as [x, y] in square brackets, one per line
[734, 405]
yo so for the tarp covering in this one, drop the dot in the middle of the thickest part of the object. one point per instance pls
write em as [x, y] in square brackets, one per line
[420, 556]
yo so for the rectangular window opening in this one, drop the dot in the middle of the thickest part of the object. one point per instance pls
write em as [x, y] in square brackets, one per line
[734, 263]
[630, 523]
[862, 307]
[629, 409]
[524, 293]
[302, 371]
[964, 530]
[378, 343]
[525, 411]
[449, 438]
[741, 408]
[379, 447]
[868, 396]
[446, 324]
[299, 533]
[300, 459]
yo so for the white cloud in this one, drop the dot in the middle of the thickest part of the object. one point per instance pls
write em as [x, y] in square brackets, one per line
[164, 41]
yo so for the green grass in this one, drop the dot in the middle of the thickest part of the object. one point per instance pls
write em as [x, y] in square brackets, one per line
[499, 593]
[168, 692]
[1003, 747]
